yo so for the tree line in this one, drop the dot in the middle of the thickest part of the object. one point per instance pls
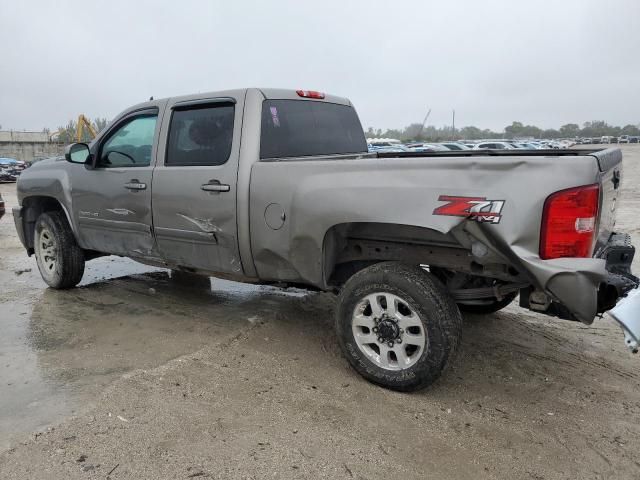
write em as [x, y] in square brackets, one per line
[597, 128]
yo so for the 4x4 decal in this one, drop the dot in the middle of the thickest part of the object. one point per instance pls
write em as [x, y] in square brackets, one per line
[475, 208]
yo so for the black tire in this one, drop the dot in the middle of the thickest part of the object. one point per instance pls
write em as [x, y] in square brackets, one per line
[488, 308]
[67, 268]
[428, 298]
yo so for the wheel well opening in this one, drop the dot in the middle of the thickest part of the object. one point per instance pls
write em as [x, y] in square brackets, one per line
[33, 207]
[351, 247]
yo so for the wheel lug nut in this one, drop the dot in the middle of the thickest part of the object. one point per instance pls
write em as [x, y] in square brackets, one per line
[390, 344]
[380, 340]
[398, 340]
[375, 329]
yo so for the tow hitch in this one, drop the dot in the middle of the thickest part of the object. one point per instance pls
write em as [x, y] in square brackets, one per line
[627, 315]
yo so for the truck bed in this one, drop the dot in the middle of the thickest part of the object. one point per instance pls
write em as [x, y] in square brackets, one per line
[495, 153]
[389, 191]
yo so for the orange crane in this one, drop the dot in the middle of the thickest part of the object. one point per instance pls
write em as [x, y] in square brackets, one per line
[84, 123]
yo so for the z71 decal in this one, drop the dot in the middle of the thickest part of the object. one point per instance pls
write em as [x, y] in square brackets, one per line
[474, 208]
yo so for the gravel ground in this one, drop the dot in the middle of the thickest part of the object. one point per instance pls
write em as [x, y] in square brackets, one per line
[130, 376]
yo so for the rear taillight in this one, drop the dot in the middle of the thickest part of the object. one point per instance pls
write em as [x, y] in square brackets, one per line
[569, 222]
[310, 94]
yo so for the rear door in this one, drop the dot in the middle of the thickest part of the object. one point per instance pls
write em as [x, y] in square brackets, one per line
[194, 184]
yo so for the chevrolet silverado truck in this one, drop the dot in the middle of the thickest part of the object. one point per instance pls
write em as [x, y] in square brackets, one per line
[277, 187]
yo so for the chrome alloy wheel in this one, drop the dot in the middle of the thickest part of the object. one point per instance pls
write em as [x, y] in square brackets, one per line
[47, 252]
[388, 331]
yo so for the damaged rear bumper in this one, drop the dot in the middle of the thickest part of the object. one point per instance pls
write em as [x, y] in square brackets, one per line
[583, 294]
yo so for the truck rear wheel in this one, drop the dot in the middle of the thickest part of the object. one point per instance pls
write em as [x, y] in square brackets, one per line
[398, 326]
[59, 258]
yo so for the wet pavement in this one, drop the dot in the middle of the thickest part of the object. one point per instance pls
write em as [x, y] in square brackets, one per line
[59, 349]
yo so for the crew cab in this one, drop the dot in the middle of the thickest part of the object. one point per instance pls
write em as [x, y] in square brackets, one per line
[277, 186]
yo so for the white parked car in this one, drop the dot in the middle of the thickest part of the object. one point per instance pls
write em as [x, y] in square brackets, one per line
[493, 146]
[454, 146]
[427, 147]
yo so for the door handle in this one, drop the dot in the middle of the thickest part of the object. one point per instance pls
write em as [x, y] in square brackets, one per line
[135, 184]
[215, 186]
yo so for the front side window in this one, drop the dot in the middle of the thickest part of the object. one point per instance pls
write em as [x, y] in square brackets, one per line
[130, 145]
[201, 135]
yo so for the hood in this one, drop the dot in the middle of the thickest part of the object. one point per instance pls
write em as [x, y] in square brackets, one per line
[47, 162]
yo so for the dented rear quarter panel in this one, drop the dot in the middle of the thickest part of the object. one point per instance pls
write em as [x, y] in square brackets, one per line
[317, 194]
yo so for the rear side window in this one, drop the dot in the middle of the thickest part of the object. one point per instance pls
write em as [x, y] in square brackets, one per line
[300, 128]
[200, 135]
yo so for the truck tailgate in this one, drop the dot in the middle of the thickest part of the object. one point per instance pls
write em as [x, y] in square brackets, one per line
[610, 165]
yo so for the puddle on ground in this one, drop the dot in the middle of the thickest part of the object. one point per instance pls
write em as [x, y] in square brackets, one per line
[60, 349]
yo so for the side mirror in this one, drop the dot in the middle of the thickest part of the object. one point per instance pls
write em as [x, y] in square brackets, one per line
[77, 153]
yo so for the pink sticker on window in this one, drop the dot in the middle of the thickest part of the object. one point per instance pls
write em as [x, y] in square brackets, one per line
[274, 116]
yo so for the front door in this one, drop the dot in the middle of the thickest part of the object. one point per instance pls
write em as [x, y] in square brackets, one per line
[112, 201]
[194, 185]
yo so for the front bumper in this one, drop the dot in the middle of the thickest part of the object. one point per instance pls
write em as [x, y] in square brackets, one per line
[17, 219]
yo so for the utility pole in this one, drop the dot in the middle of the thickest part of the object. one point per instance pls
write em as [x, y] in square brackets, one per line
[453, 125]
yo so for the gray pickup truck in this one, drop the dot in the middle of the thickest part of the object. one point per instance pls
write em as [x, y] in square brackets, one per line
[277, 186]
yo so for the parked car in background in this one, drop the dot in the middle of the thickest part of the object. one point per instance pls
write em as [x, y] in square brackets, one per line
[454, 146]
[634, 139]
[12, 162]
[623, 139]
[524, 145]
[1, 206]
[493, 146]
[427, 147]
[390, 149]
[10, 169]
[8, 173]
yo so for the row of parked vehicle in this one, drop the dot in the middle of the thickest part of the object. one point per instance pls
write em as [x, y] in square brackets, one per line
[389, 145]
[10, 169]
[608, 139]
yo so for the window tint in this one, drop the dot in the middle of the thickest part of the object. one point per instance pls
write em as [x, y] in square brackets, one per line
[296, 128]
[201, 136]
[131, 144]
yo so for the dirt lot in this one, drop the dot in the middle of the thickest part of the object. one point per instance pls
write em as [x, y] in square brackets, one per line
[131, 377]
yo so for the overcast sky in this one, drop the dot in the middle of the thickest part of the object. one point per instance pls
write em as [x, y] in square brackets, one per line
[541, 62]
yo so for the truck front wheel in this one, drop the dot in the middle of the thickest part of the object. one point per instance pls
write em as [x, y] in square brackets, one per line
[59, 258]
[398, 326]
